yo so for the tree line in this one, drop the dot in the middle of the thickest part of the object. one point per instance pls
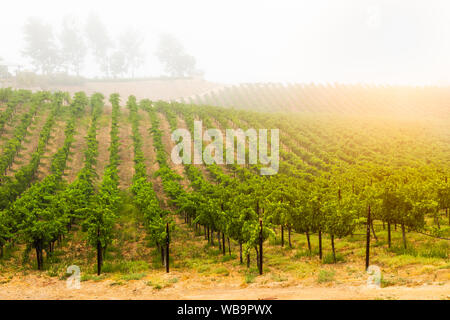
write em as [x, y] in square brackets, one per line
[66, 51]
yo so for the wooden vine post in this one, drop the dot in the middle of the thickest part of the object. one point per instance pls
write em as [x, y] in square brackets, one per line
[368, 239]
[99, 253]
[167, 247]
[260, 247]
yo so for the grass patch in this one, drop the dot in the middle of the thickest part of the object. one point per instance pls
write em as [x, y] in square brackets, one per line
[203, 269]
[278, 278]
[400, 250]
[125, 267]
[386, 282]
[211, 250]
[437, 250]
[228, 257]
[328, 258]
[133, 276]
[53, 271]
[301, 253]
[250, 277]
[393, 281]
[447, 266]
[87, 277]
[173, 280]
[325, 276]
[440, 250]
[156, 286]
[221, 271]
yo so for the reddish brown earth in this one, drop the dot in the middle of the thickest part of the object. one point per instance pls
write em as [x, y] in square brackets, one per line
[76, 159]
[104, 141]
[147, 141]
[126, 152]
[8, 129]
[30, 142]
[169, 145]
[55, 142]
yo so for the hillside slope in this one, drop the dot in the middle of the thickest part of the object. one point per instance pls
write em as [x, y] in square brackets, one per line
[399, 101]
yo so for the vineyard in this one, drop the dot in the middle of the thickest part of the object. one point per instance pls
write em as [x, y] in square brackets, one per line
[400, 101]
[89, 181]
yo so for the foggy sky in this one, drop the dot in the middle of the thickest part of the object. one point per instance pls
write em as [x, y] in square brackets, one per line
[390, 41]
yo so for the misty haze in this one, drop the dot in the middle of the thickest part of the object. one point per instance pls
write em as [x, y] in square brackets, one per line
[226, 150]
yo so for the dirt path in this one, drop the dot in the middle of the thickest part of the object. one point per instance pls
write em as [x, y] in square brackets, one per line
[321, 293]
[55, 142]
[9, 127]
[169, 145]
[147, 143]
[206, 174]
[30, 142]
[149, 150]
[104, 141]
[126, 153]
[42, 287]
[76, 158]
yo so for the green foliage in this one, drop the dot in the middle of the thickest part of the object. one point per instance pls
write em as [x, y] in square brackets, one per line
[329, 179]
[39, 216]
[155, 218]
[101, 207]
[13, 145]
